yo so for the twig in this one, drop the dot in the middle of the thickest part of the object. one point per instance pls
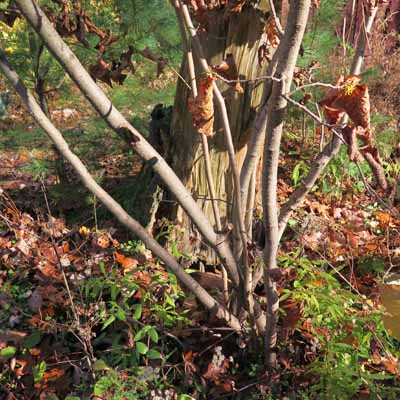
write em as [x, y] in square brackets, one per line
[81, 331]
[260, 78]
[57, 87]
[320, 84]
[371, 191]
[276, 18]
[179, 75]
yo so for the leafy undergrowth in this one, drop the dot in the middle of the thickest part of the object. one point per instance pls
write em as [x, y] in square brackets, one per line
[86, 317]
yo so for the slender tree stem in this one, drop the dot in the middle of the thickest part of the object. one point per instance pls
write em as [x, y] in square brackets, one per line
[288, 53]
[256, 142]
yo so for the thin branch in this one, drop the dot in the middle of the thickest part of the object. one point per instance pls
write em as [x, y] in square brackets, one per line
[179, 75]
[316, 169]
[257, 135]
[316, 118]
[289, 48]
[276, 18]
[362, 41]
[259, 78]
[314, 84]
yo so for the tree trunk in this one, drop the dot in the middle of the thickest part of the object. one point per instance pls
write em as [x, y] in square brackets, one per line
[240, 35]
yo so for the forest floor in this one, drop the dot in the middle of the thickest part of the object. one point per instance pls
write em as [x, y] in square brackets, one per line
[87, 312]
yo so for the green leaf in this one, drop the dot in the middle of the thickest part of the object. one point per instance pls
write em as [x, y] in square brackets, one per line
[141, 348]
[101, 387]
[8, 352]
[114, 291]
[72, 398]
[141, 334]
[108, 321]
[33, 339]
[121, 314]
[100, 365]
[153, 334]
[296, 174]
[185, 397]
[153, 354]
[38, 371]
[138, 312]
[102, 267]
[169, 300]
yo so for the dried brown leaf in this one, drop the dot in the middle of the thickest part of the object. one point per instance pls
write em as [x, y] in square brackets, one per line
[229, 71]
[202, 107]
[127, 263]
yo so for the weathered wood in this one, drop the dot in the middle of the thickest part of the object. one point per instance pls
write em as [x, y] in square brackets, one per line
[239, 35]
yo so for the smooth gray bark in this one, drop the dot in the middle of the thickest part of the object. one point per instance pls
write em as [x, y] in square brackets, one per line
[288, 53]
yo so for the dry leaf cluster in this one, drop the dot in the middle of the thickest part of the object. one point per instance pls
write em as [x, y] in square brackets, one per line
[352, 98]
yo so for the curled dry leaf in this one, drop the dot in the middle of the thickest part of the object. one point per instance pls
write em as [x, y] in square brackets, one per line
[127, 263]
[229, 71]
[307, 97]
[293, 313]
[202, 107]
[188, 360]
[113, 72]
[352, 98]
[272, 32]
[270, 41]
[107, 40]
[101, 71]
